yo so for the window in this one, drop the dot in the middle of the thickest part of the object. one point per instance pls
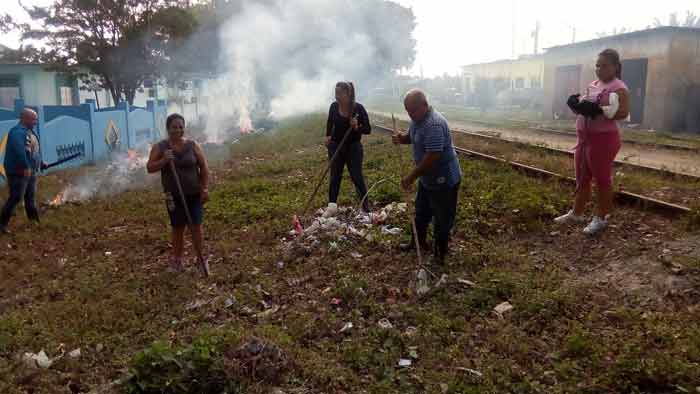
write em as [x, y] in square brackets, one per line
[535, 83]
[66, 94]
[66, 90]
[9, 90]
[520, 83]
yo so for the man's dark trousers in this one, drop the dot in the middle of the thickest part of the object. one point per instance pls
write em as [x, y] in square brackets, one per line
[440, 207]
[20, 188]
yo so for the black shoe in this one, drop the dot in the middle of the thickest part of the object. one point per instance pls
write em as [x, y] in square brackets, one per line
[410, 246]
[440, 251]
[4, 230]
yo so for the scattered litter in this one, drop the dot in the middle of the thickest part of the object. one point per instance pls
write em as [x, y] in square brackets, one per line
[466, 282]
[326, 290]
[230, 302]
[255, 271]
[442, 281]
[99, 348]
[422, 282]
[268, 312]
[38, 360]
[413, 352]
[62, 262]
[391, 230]
[196, 304]
[336, 301]
[346, 327]
[108, 254]
[280, 264]
[333, 247]
[503, 308]
[471, 371]
[410, 331]
[355, 255]
[246, 311]
[346, 222]
[385, 324]
[404, 362]
[74, 353]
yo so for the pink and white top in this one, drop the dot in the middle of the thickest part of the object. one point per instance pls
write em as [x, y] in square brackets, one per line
[599, 92]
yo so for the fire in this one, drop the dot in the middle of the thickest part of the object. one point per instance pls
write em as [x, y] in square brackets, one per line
[246, 125]
[58, 200]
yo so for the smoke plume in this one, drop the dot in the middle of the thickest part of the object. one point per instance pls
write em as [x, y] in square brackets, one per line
[282, 58]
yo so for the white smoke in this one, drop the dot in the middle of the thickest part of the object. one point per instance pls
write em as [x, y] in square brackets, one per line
[123, 172]
[300, 49]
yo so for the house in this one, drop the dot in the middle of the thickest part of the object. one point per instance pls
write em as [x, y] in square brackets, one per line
[36, 85]
[661, 67]
[504, 82]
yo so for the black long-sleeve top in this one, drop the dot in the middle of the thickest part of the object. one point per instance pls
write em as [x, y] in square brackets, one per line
[338, 125]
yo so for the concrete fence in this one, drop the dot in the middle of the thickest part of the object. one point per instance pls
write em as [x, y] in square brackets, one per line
[66, 130]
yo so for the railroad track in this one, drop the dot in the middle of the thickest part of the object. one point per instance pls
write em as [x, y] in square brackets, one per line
[627, 198]
[618, 163]
[529, 125]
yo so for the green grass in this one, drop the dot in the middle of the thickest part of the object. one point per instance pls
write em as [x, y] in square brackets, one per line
[566, 334]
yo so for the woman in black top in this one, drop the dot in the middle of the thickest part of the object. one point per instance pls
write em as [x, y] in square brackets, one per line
[192, 172]
[346, 115]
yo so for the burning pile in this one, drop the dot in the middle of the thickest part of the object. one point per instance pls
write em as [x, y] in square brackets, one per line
[120, 174]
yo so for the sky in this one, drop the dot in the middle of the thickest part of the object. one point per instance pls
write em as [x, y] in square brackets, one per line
[452, 33]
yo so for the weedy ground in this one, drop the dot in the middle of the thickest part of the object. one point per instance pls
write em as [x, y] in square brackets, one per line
[616, 313]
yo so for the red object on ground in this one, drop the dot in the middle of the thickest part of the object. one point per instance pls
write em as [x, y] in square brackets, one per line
[298, 229]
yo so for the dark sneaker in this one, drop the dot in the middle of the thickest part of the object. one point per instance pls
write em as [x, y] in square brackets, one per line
[4, 230]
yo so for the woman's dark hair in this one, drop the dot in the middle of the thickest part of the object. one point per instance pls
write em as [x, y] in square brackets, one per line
[349, 87]
[613, 57]
[171, 118]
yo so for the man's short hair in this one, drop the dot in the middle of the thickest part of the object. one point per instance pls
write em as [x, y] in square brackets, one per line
[417, 96]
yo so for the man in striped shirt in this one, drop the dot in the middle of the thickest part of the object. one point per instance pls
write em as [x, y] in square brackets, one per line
[436, 169]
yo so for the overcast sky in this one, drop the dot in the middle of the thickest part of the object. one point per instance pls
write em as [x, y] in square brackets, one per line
[451, 33]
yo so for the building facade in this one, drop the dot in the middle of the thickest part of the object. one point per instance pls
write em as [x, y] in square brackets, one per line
[660, 66]
[504, 82]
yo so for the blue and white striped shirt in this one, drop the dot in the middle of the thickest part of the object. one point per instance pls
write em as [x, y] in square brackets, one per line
[432, 134]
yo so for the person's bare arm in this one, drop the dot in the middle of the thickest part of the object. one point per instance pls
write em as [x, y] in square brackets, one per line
[203, 171]
[422, 168]
[624, 110]
[157, 159]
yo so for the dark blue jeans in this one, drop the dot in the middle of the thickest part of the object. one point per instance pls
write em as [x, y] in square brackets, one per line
[439, 207]
[20, 188]
[351, 156]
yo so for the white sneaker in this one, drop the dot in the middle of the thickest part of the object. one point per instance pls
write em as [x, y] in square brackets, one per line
[331, 211]
[569, 217]
[597, 225]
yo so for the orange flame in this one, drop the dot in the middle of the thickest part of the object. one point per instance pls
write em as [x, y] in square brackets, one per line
[58, 200]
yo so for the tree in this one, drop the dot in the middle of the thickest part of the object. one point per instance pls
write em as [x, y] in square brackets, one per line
[122, 42]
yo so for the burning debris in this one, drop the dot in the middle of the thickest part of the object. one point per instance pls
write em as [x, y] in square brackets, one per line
[120, 174]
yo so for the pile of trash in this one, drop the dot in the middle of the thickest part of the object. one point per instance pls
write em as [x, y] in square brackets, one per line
[336, 225]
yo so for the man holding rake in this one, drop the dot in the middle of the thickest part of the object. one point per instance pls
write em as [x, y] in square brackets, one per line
[437, 171]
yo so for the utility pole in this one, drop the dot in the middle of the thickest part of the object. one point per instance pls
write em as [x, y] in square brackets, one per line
[513, 31]
[573, 39]
[536, 35]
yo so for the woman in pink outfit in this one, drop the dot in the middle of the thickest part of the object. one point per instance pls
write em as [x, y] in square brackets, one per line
[606, 101]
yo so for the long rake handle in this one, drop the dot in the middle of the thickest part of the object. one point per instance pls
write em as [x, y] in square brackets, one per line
[325, 171]
[419, 253]
[182, 194]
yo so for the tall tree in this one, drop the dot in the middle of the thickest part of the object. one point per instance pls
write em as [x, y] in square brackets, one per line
[122, 42]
